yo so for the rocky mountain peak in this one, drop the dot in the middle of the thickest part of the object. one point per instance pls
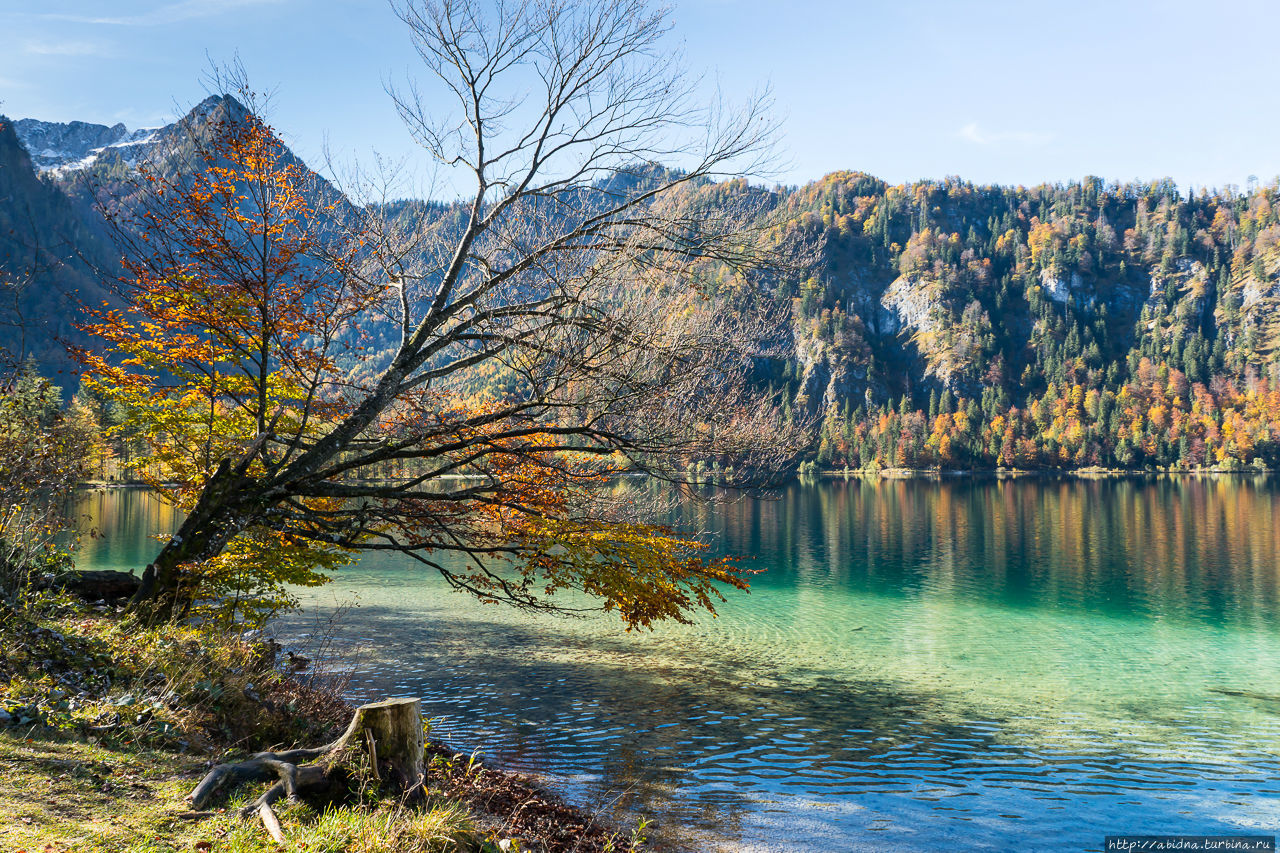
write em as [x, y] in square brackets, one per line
[64, 147]
[68, 146]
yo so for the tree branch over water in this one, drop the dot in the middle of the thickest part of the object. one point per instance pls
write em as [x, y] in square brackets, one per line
[289, 350]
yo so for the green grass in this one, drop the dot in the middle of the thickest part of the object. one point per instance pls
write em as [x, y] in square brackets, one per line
[114, 723]
[64, 794]
[67, 794]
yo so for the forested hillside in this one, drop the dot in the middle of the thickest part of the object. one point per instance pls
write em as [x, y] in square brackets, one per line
[1091, 324]
[937, 323]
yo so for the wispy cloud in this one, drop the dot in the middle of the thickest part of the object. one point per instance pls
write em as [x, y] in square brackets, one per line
[171, 13]
[63, 48]
[971, 132]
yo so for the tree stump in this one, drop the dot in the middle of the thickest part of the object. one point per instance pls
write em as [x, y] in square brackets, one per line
[393, 729]
[390, 732]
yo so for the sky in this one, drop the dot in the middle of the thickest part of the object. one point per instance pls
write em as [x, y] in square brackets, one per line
[994, 91]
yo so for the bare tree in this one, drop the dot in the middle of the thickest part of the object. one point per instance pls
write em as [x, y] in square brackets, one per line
[549, 332]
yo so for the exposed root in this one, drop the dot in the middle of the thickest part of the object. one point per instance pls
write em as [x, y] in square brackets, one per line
[272, 825]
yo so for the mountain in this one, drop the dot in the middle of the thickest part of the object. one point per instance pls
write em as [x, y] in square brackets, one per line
[56, 249]
[53, 256]
[932, 324]
[61, 148]
[1069, 325]
[70, 151]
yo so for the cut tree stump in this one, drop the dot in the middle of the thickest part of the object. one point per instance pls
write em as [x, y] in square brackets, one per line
[388, 732]
[392, 729]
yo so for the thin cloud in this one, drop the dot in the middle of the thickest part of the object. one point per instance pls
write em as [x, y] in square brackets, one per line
[173, 13]
[63, 48]
[971, 132]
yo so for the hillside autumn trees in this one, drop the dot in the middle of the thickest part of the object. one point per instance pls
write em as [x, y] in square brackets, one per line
[252, 291]
[1092, 323]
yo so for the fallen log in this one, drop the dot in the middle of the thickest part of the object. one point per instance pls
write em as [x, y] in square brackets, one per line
[95, 585]
[388, 732]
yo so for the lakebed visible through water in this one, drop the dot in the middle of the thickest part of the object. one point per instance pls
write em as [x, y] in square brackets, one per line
[965, 664]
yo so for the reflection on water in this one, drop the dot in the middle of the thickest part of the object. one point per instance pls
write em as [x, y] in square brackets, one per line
[119, 528]
[1199, 548]
[920, 666]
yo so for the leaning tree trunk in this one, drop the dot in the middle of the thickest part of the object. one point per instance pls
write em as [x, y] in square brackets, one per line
[219, 514]
[387, 733]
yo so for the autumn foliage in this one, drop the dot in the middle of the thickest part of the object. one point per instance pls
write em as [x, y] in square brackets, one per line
[231, 331]
[242, 356]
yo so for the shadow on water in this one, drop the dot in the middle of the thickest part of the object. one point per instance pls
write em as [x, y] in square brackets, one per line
[703, 741]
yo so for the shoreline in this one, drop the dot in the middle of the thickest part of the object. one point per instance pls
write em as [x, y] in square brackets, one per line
[1032, 474]
[101, 756]
[907, 474]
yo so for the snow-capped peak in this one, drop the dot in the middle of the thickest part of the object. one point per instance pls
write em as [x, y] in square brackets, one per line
[60, 147]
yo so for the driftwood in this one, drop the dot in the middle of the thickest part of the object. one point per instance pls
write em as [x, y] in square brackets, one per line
[390, 732]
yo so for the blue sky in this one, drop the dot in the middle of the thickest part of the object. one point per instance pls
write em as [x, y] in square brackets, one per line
[1012, 92]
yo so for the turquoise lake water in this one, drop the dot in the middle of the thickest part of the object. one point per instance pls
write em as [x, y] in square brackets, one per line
[920, 666]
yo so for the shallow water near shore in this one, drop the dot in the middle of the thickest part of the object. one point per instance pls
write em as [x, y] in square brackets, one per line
[960, 665]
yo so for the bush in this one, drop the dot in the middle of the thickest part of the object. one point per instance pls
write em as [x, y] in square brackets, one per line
[43, 454]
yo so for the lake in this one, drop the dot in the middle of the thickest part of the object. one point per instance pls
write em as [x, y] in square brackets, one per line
[971, 664]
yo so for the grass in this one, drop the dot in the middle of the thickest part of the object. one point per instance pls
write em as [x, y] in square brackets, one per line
[111, 724]
[62, 795]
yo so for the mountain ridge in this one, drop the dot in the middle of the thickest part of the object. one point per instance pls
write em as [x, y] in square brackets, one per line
[1031, 317]
[60, 147]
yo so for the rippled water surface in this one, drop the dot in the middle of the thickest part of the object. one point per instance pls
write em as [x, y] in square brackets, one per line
[920, 666]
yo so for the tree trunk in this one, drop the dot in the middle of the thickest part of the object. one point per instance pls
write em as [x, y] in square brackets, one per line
[215, 519]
